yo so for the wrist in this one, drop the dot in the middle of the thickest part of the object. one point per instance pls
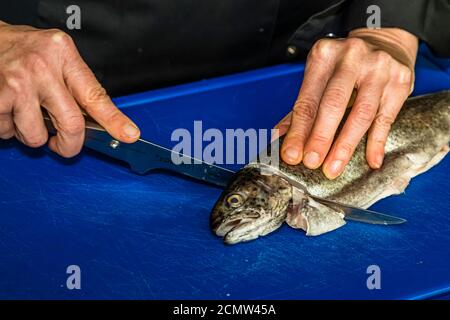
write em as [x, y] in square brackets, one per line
[400, 44]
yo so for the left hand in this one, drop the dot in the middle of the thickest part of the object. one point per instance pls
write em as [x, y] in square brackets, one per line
[379, 65]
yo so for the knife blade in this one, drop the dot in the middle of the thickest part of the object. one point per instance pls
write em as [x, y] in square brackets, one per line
[362, 215]
[350, 212]
[145, 156]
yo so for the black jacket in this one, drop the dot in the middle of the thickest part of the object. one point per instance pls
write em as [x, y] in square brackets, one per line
[135, 45]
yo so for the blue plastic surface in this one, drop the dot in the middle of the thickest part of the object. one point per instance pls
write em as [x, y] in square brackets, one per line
[148, 236]
[443, 64]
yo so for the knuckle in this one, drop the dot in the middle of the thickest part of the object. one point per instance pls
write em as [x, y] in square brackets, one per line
[94, 95]
[364, 113]
[305, 108]
[382, 59]
[335, 100]
[114, 115]
[378, 139]
[322, 49]
[15, 75]
[15, 66]
[345, 149]
[300, 129]
[15, 84]
[13, 71]
[403, 76]
[320, 138]
[297, 135]
[35, 62]
[384, 121]
[73, 125]
[59, 38]
[356, 44]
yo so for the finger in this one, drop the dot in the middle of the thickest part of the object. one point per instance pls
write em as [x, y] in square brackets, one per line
[358, 122]
[6, 126]
[6, 120]
[29, 125]
[331, 110]
[27, 116]
[318, 70]
[67, 120]
[282, 126]
[391, 103]
[92, 97]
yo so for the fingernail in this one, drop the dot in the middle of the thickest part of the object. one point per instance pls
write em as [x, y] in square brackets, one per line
[378, 161]
[291, 154]
[311, 160]
[334, 169]
[131, 130]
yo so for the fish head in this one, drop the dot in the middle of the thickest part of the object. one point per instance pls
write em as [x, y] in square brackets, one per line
[254, 204]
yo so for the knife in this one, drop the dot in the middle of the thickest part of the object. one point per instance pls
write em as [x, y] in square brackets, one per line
[145, 156]
[362, 215]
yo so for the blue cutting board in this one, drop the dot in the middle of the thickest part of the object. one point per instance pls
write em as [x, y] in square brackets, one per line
[148, 236]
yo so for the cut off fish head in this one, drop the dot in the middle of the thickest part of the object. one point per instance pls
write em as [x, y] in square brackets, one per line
[257, 202]
[253, 205]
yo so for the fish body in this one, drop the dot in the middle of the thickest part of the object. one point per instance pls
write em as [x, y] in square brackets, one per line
[258, 200]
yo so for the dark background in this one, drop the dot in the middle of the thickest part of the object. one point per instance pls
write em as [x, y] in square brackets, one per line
[19, 12]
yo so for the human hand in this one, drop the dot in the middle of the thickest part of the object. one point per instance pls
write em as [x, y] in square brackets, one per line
[379, 65]
[43, 68]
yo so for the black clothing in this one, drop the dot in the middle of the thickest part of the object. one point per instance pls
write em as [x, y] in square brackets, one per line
[135, 45]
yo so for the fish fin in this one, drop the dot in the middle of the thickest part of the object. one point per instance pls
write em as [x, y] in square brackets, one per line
[311, 216]
[420, 164]
[295, 217]
[424, 165]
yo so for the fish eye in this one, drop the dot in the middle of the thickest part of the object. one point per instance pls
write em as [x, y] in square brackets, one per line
[235, 200]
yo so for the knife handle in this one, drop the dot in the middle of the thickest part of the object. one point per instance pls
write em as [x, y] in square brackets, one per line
[90, 123]
[96, 138]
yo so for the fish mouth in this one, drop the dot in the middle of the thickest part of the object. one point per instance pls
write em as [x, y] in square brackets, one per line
[245, 226]
[222, 226]
[249, 231]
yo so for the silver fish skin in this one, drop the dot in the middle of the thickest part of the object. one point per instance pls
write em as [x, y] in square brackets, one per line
[256, 202]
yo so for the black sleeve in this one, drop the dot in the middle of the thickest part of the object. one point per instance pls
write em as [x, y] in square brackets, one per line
[23, 12]
[429, 20]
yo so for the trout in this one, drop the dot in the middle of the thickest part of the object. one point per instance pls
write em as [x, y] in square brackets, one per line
[260, 198]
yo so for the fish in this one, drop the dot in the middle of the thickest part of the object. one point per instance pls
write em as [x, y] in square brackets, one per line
[261, 197]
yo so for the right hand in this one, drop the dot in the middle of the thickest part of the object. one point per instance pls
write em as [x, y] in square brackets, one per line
[376, 67]
[42, 68]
